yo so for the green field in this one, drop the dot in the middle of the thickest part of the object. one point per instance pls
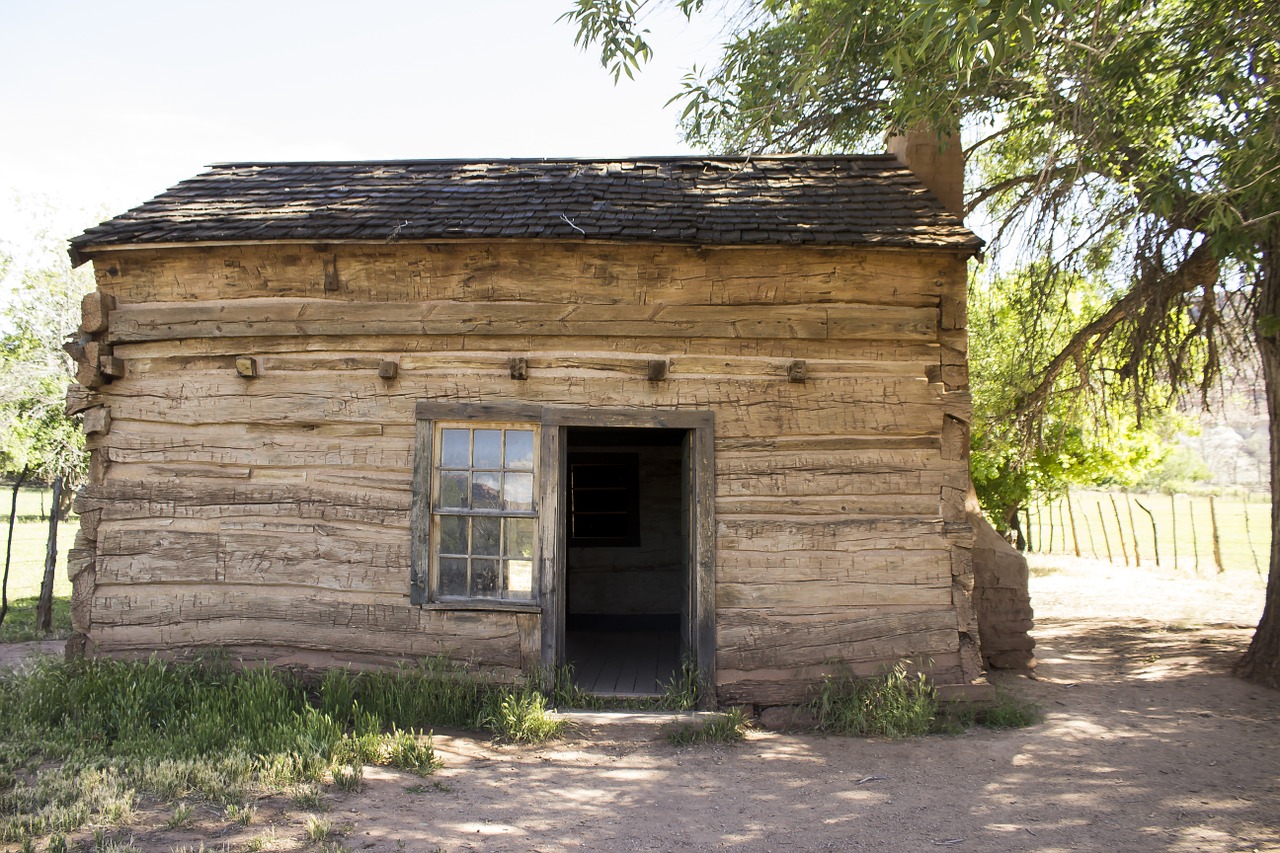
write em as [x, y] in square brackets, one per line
[27, 563]
[1184, 526]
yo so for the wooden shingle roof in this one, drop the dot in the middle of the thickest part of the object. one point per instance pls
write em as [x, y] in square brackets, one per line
[871, 200]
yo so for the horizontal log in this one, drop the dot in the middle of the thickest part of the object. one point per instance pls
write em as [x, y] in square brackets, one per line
[743, 408]
[792, 686]
[827, 533]
[758, 639]
[872, 565]
[211, 353]
[810, 594]
[763, 477]
[146, 618]
[276, 317]
[121, 498]
[892, 505]
[584, 273]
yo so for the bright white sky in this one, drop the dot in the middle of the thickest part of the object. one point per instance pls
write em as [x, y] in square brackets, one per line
[105, 104]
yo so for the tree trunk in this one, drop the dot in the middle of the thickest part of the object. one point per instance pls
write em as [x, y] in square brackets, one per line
[44, 608]
[1261, 663]
[8, 553]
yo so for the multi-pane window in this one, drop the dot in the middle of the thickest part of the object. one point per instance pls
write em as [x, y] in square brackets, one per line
[483, 514]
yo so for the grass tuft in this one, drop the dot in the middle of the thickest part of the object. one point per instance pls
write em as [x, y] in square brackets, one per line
[896, 703]
[521, 717]
[729, 727]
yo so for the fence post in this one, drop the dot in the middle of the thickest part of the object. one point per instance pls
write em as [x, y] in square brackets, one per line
[1248, 537]
[1155, 535]
[1133, 529]
[1195, 537]
[1075, 540]
[1217, 545]
[1105, 538]
[1173, 525]
[1124, 549]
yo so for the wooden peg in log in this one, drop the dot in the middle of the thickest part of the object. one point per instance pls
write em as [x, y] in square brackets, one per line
[657, 370]
[519, 368]
[388, 370]
[797, 371]
[247, 366]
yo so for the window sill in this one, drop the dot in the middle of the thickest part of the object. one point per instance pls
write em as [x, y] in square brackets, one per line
[481, 604]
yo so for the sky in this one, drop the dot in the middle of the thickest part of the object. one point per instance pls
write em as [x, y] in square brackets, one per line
[105, 104]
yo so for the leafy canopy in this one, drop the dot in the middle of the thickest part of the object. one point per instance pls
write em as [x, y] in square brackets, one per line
[41, 307]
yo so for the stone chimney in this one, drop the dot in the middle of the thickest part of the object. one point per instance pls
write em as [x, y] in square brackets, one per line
[937, 161]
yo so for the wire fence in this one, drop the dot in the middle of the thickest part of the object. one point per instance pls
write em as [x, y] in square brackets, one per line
[1200, 533]
[30, 542]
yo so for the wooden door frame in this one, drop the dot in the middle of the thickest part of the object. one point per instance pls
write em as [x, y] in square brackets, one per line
[700, 425]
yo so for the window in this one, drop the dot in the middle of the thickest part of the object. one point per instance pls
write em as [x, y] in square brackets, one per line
[483, 516]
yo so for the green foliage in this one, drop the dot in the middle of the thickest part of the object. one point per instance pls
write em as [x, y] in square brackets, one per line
[1177, 469]
[41, 309]
[729, 727]
[896, 703]
[521, 717]
[20, 623]
[104, 731]
[1083, 437]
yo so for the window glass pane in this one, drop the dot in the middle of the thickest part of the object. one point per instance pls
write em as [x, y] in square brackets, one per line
[453, 534]
[487, 452]
[484, 535]
[520, 577]
[484, 578]
[519, 537]
[486, 492]
[455, 448]
[518, 494]
[453, 576]
[520, 449]
[454, 486]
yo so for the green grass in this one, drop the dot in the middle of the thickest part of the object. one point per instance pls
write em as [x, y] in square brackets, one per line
[1244, 529]
[26, 568]
[729, 727]
[896, 703]
[103, 732]
[901, 703]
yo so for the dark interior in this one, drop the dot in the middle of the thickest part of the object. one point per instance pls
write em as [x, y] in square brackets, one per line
[626, 560]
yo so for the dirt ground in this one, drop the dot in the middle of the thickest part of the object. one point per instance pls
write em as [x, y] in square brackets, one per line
[1147, 744]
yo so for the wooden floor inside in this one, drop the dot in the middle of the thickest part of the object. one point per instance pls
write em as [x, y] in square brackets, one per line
[623, 662]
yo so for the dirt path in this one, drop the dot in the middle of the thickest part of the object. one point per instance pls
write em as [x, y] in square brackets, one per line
[1147, 745]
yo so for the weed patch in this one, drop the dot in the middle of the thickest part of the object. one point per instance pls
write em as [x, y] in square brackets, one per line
[100, 732]
[729, 727]
[896, 703]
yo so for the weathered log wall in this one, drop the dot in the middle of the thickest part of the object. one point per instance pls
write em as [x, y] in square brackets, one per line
[270, 514]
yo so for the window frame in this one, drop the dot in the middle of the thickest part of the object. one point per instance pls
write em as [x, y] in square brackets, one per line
[432, 419]
[439, 511]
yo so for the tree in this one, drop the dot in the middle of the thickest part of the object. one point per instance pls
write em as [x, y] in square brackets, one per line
[1130, 141]
[1085, 438]
[37, 438]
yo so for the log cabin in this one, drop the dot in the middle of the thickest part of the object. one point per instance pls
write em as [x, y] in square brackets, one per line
[612, 414]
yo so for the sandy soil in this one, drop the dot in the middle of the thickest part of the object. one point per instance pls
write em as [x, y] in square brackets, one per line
[1147, 744]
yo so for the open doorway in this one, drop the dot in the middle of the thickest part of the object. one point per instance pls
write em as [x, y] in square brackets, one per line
[627, 557]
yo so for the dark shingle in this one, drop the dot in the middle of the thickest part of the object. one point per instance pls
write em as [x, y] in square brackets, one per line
[794, 200]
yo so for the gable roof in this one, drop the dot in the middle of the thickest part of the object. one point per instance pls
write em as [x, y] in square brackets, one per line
[867, 200]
